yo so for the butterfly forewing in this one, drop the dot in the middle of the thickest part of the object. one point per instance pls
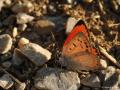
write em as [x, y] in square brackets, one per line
[79, 53]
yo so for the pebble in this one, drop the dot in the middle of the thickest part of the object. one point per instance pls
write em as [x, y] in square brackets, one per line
[25, 7]
[112, 79]
[18, 58]
[22, 27]
[35, 52]
[115, 4]
[103, 63]
[9, 20]
[87, 1]
[5, 43]
[43, 26]
[15, 32]
[22, 86]
[6, 82]
[6, 64]
[85, 88]
[56, 79]
[23, 18]
[71, 22]
[1, 4]
[91, 80]
[22, 42]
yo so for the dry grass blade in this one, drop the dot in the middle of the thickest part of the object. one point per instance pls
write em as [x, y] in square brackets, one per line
[112, 59]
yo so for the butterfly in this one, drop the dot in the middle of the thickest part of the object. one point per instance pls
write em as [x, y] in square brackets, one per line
[78, 53]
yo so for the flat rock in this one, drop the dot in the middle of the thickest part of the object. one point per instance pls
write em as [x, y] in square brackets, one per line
[6, 82]
[5, 43]
[43, 26]
[91, 80]
[23, 18]
[56, 79]
[35, 52]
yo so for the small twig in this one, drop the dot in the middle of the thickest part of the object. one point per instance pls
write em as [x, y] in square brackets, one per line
[114, 24]
[112, 59]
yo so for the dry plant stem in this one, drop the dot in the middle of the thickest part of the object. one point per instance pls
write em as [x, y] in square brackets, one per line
[113, 60]
[114, 24]
[101, 6]
[15, 79]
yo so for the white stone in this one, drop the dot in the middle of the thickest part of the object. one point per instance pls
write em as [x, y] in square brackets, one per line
[23, 18]
[5, 43]
[36, 53]
[71, 22]
[103, 63]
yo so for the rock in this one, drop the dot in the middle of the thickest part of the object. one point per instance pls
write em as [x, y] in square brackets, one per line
[87, 1]
[103, 63]
[18, 58]
[56, 79]
[71, 22]
[22, 86]
[9, 20]
[115, 4]
[22, 42]
[5, 43]
[6, 64]
[43, 26]
[112, 79]
[23, 18]
[4, 3]
[6, 82]
[22, 27]
[35, 53]
[91, 80]
[1, 4]
[85, 88]
[15, 32]
[25, 7]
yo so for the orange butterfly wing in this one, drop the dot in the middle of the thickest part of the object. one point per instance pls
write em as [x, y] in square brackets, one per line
[78, 52]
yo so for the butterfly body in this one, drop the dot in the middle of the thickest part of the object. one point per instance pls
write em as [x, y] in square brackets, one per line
[77, 52]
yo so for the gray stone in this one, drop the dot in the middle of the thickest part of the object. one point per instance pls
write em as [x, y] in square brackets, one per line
[85, 88]
[23, 18]
[18, 58]
[56, 79]
[5, 43]
[43, 26]
[36, 53]
[91, 80]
